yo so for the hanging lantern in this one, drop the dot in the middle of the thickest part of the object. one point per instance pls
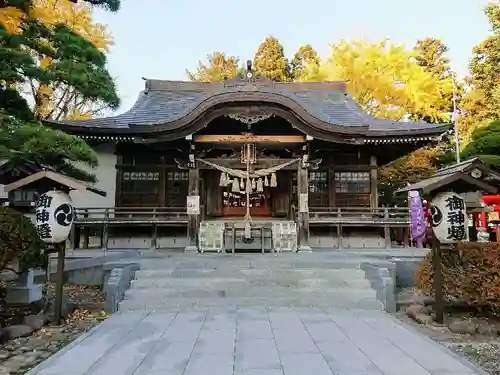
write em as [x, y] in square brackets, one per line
[54, 216]
[260, 185]
[242, 184]
[266, 181]
[274, 182]
[236, 186]
[254, 185]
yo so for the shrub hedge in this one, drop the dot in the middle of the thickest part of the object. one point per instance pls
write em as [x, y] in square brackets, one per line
[19, 240]
[471, 275]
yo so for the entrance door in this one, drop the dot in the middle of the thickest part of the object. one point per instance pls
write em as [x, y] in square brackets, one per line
[234, 203]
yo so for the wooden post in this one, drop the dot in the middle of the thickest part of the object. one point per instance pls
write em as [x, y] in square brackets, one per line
[438, 279]
[303, 216]
[105, 230]
[373, 182]
[193, 219]
[86, 237]
[61, 252]
[387, 229]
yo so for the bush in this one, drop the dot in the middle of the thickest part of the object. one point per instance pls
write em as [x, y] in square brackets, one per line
[19, 240]
[471, 275]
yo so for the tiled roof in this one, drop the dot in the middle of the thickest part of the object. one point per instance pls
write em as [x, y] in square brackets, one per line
[163, 102]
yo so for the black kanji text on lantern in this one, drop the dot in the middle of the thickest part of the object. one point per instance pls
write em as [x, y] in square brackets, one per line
[44, 231]
[455, 218]
[42, 215]
[44, 201]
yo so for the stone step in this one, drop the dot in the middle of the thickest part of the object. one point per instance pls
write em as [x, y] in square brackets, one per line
[248, 282]
[249, 273]
[211, 303]
[262, 263]
[156, 294]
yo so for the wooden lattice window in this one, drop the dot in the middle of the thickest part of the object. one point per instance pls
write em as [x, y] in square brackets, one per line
[176, 188]
[352, 189]
[140, 187]
[352, 182]
[318, 188]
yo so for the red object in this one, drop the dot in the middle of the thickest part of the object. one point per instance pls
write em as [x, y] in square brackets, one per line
[493, 201]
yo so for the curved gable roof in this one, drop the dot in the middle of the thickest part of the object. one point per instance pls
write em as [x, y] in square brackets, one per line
[167, 105]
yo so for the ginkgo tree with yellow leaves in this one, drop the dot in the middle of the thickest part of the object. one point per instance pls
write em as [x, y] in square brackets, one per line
[384, 78]
[387, 80]
[52, 65]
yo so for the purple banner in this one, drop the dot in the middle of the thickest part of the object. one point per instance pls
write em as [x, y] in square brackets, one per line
[418, 226]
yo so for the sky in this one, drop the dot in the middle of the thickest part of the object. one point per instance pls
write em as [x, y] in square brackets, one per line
[161, 39]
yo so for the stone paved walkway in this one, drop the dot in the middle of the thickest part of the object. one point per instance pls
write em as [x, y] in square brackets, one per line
[252, 341]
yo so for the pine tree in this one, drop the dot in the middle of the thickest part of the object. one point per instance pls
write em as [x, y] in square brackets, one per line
[75, 65]
[270, 61]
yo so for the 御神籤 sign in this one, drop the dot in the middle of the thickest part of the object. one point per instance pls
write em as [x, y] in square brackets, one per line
[449, 218]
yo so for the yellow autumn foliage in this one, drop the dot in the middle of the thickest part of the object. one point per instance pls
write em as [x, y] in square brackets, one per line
[78, 17]
[11, 19]
[383, 78]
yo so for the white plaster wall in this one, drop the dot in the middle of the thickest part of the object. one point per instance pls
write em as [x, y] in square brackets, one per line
[106, 180]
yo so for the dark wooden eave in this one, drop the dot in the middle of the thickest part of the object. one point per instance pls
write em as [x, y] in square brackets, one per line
[174, 109]
[46, 178]
[461, 172]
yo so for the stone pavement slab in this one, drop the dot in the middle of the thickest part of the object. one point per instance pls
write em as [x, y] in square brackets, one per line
[254, 341]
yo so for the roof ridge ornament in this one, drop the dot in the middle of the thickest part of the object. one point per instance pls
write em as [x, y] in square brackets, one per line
[249, 80]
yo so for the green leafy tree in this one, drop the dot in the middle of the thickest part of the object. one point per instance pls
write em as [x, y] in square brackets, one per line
[270, 61]
[19, 241]
[306, 55]
[485, 144]
[430, 54]
[218, 68]
[481, 103]
[76, 65]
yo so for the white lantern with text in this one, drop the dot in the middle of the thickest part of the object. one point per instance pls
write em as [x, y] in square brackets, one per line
[54, 216]
[449, 218]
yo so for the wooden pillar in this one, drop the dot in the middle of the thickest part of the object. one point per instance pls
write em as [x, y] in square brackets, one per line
[373, 182]
[193, 218]
[303, 204]
[387, 229]
[86, 237]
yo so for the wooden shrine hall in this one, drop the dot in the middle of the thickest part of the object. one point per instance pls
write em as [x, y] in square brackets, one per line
[243, 164]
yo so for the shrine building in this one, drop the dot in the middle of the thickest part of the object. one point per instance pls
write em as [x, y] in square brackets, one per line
[245, 164]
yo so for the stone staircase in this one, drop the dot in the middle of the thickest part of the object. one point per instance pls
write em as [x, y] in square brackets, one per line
[288, 279]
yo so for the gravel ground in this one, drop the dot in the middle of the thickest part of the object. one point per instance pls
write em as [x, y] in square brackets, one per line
[484, 351]
[484, 354]
[20, 355]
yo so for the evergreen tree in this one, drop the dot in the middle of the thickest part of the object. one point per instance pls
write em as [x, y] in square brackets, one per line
[481, 103]
[270, 61]
[76, 65]
[218, 68]
[485, 144]
[306, 55]
[430, 54]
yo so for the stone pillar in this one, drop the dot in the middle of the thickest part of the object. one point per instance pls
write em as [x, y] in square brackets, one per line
[373, 182]
[303, 204]
[193, 217]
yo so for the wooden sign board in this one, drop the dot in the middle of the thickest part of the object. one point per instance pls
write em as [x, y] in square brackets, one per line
[304, 202]
[249, 138]
[193, 204]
